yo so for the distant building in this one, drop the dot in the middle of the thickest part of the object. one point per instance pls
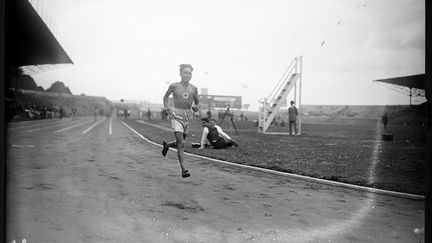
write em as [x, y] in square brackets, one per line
[221, 101]
[216, 101]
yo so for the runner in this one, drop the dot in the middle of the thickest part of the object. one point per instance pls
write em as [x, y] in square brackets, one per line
[95, 111]
[184, 95]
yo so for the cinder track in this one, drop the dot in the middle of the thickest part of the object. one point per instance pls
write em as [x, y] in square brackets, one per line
[110, 185]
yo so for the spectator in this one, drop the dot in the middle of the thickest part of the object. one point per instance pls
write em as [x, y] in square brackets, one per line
[292, 118]
[74, 113]
[214, 135]
[61, 112]
[221, 116]
[164, 115]
[384, 121]
[46, 112]
[149, 114]
[125, 113]
[95, 111]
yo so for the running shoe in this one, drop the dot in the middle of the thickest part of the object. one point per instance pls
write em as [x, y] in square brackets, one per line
[165, 148]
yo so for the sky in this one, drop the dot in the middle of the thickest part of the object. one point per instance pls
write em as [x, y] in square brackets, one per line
[131, 49]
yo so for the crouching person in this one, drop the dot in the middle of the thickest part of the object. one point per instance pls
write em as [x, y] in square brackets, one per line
[214, 135]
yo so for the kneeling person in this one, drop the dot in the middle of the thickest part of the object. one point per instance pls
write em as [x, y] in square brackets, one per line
[214, 135]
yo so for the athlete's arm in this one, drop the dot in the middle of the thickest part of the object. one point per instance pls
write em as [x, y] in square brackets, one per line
[221, 132]
[204, 137]
[167, 94]
[196, 100]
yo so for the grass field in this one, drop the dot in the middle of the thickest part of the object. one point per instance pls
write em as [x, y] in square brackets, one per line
[352, 153]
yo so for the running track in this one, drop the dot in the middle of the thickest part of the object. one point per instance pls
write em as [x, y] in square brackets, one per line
[98, 181]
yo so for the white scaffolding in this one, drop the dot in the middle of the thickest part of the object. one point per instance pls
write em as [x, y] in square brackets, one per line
[270, 106]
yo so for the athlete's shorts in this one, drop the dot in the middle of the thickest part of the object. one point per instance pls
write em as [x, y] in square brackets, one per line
[177, 126]
[180, 119]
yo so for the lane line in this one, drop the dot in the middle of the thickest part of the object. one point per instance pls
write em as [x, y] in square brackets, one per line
[328, 182]
[154, 125]
[110, 126]
[37, 129]
[35, 125]
[57, 125]
[22, 146]
[30, 121]
[15, 128]
[67, 128]
[90, 128]
[43, 122]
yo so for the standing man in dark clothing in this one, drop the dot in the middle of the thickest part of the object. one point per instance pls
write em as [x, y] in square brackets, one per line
[46, 112]
[292, 118]
[164, 115]
[149, 114]
[384, 120]
[125, 113]
[61, 112]
[95, 111]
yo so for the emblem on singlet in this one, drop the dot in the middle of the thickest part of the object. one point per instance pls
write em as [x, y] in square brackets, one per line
[185, 96]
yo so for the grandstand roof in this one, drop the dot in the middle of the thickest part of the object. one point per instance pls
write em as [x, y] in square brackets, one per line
[29, 41]
[412, 81]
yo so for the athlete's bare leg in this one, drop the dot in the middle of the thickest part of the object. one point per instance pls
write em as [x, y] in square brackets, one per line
[172, 144]
[180, 137]
[166, 145]
[179, 144]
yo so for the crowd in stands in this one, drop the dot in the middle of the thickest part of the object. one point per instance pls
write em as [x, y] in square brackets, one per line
[27, 105]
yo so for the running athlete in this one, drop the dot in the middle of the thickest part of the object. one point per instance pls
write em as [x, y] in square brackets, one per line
[184, 95]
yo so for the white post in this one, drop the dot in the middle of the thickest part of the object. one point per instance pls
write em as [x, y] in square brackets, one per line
[259, 116]
[300, 84]
[264, 115]
[295, 85]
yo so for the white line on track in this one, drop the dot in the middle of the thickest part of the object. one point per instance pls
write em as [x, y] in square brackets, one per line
[333, 183]
[34, 125]
[15, 128]
[90, 128]
[154, 125]
[67, 128]
[53, 125]
[32, 121]
[37, 129]
[22, 146]
[110, 126]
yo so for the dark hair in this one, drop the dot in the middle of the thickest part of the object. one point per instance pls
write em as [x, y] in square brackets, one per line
[205, 119]
[186, 66]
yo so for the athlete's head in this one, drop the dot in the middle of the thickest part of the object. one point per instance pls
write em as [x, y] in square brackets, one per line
[186, 72]
[205, 122]
[212, 122]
